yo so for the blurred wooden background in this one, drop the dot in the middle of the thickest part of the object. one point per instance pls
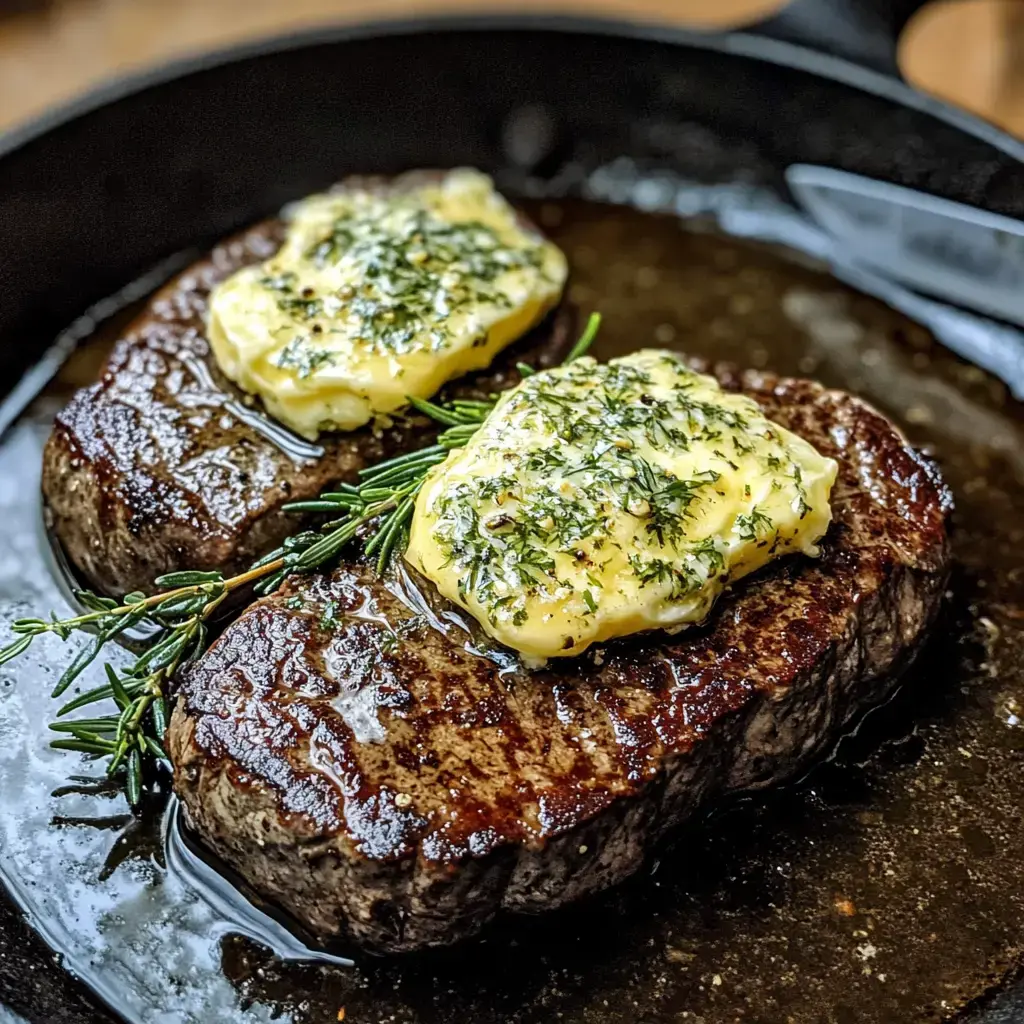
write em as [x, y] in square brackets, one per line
[967, 51]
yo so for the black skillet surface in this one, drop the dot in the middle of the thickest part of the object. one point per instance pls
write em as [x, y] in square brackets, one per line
[885, 887]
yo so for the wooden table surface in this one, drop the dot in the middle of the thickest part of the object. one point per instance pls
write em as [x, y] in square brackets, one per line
[968, 51]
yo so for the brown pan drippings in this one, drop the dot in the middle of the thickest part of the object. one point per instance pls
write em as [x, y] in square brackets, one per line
[884, 886]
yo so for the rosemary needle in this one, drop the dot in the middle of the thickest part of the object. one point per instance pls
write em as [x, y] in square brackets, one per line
[131, 737]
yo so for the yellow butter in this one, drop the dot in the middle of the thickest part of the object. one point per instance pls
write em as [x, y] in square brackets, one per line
[378, 294]
[600, 500]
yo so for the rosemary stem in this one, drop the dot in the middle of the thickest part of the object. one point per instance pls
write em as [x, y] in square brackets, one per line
[253, 574]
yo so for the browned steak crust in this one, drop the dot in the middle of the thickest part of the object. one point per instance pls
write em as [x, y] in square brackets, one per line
[382, 781]
[161, 465]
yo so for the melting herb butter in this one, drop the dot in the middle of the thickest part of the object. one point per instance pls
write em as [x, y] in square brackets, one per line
[382, 293]
[599, 500]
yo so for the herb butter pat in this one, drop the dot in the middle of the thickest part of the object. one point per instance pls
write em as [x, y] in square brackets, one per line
[599, 500]
[382, 293]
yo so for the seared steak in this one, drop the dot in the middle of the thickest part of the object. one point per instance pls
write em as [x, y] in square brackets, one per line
[164, 464]
[376, 771]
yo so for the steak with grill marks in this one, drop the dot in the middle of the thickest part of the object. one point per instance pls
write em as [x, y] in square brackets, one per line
[164, 464]
[360, 759]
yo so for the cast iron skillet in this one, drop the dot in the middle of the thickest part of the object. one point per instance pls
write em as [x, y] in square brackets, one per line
[98, 192]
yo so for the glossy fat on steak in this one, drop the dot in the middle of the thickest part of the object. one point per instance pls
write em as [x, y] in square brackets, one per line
[357, 763]
[164, 464]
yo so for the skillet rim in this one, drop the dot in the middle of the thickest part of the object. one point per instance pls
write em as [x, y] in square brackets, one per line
[746, 43]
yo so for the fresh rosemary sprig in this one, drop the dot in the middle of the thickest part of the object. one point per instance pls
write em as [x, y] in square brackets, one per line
[178, 617]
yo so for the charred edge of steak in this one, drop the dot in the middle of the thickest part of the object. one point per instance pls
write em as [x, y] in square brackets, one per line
[401, 794]
[150, 470]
